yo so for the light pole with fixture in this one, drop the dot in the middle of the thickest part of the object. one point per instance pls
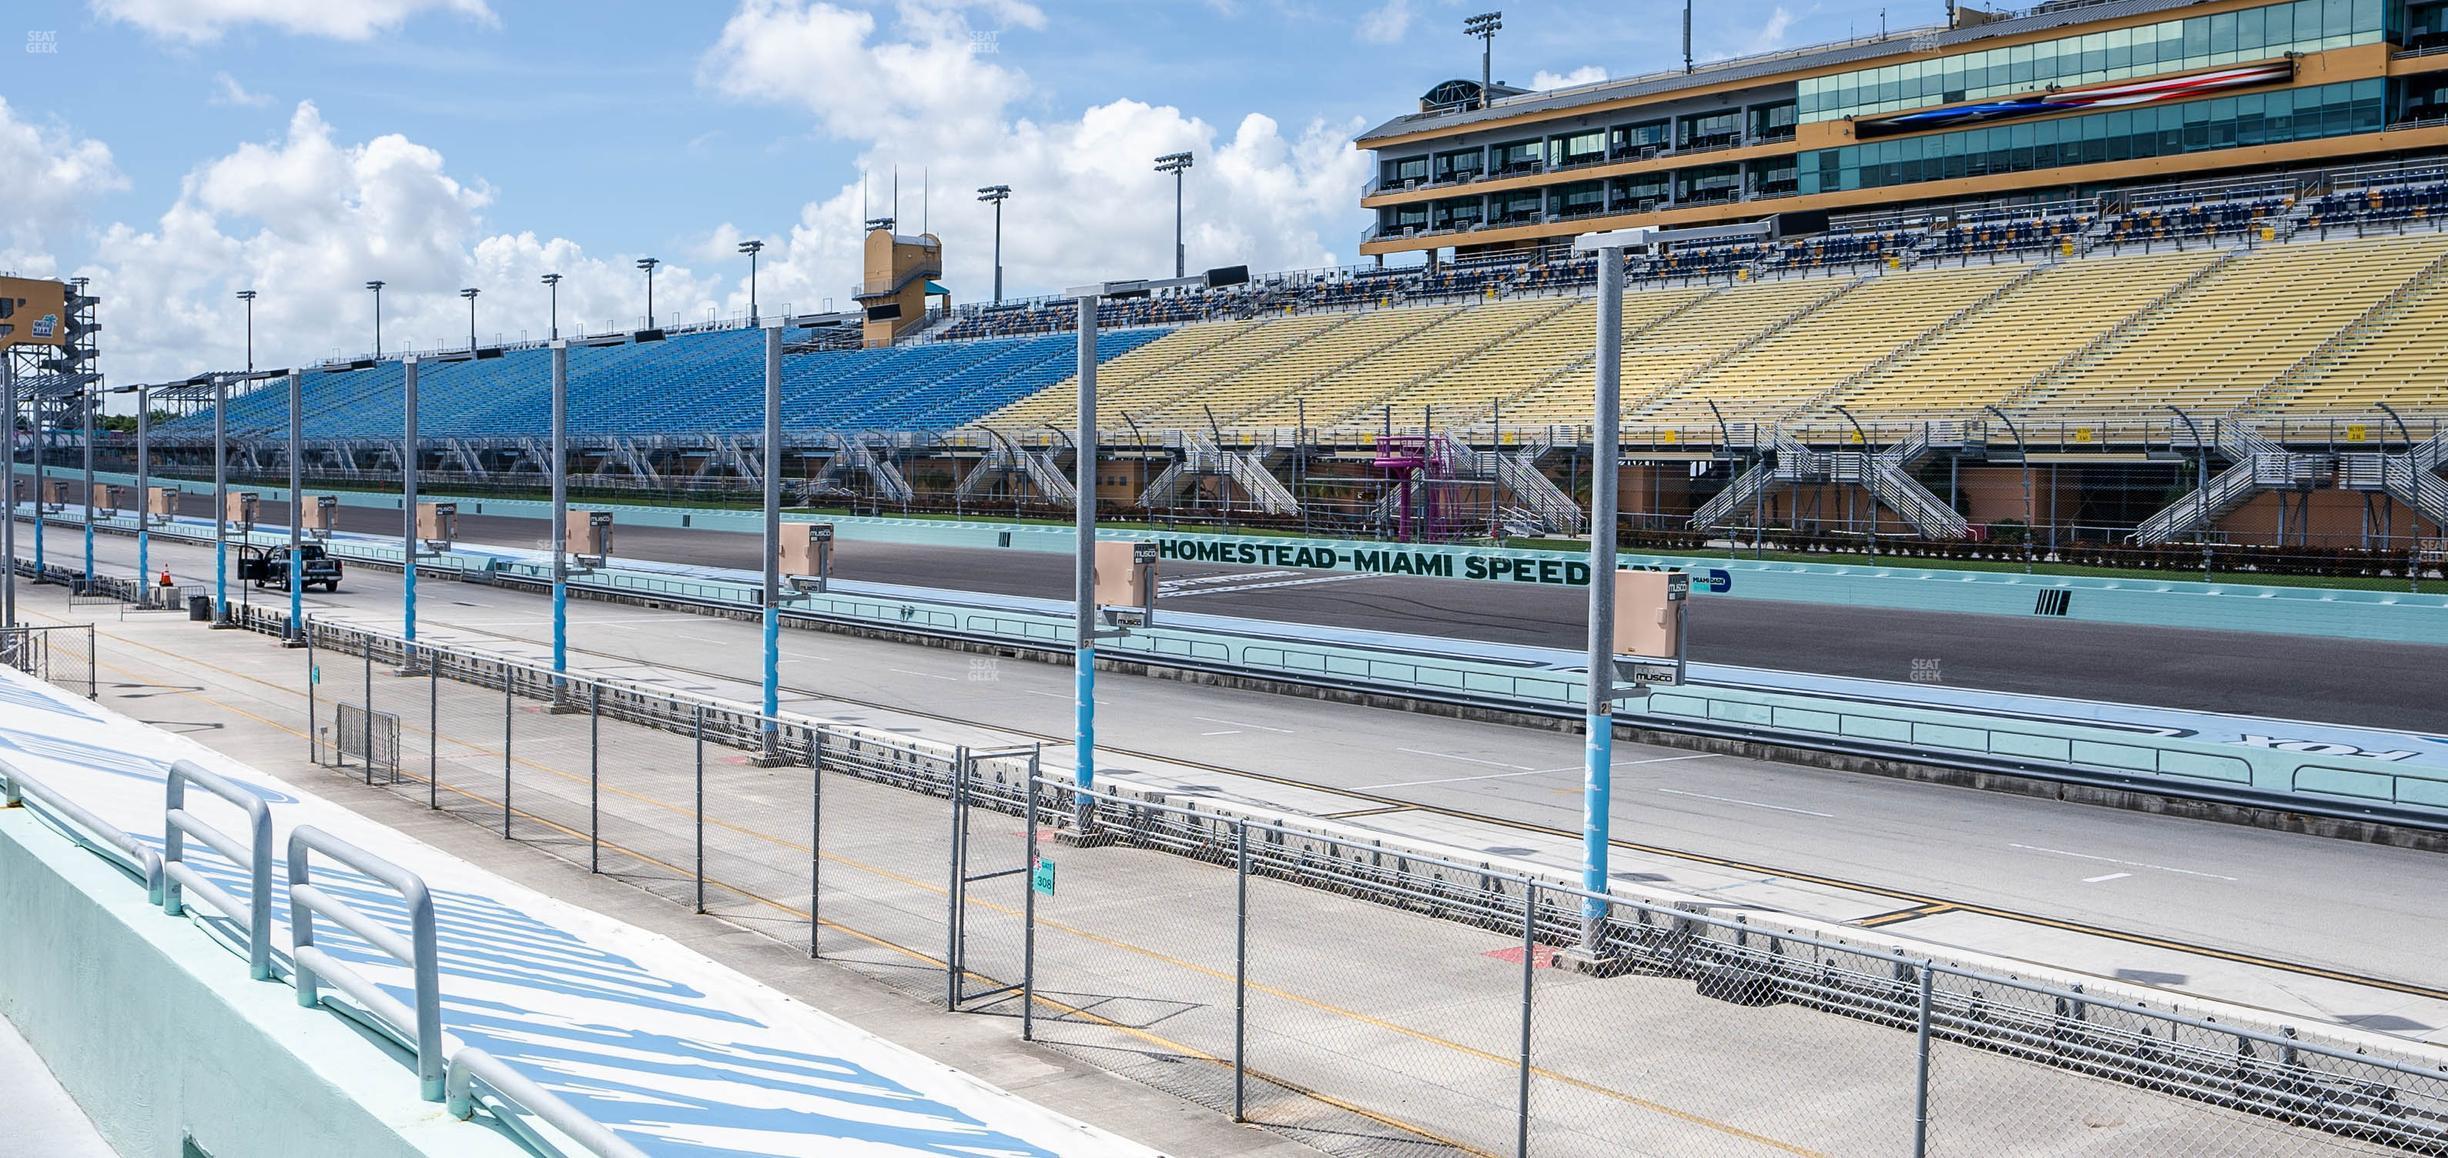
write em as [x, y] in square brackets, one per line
[248, 296]
[552, 283]
[1083, 508]
[995, 196]
[1484, 26]
[470, 294]
[648, 264]
[752, 248]
[377, 287]
[1175, 163]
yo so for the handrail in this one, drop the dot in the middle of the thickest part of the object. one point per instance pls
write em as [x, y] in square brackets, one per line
[470, 1066]
[16, 787]
[253, 857]
[418, 951]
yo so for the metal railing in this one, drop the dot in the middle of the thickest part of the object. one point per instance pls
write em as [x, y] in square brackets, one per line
[473, 1070]
[253, 857]
[902, 858]
[1496, 1055]
[422, 1022]
[167, 874]
[83, 827]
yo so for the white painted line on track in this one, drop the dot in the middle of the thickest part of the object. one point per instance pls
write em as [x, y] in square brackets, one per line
[1746, 803]
[2127, 863]
[1266, 586]
[1243, 724]
[2105, 877]
[1470, 760]
[1463, 779]
[1225, 732]
[926, 674]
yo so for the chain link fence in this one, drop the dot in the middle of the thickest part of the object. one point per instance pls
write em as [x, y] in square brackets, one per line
[59, 654]
[1362, 998]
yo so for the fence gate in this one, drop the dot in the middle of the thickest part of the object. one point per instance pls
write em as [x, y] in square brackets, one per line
[994, 846]
[371, 736]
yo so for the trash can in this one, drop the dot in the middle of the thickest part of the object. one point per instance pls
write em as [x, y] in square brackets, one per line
[199, 608]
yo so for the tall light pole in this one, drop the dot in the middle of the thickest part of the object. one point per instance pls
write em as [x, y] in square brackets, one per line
[648, 264]
[773, 539]
[470, 294]
[89, 400]
[1606, 456]
[220, 500]
[408, 507]
[752, 248]
[248, 296]
[995, 195]
[560, 507]
[1175, 163]
[144, 491]
[1083, 525]
[8, 527]
[1083, 565]
[297, 514]
[377, 287]
[1484, 26]
[552, 284]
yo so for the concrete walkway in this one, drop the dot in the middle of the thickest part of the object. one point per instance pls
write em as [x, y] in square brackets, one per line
[36, 1115]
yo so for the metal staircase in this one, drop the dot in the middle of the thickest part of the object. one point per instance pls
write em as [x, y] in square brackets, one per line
[1887, 475]
[856, 457]
[1035, 468]
[2411, 478]
[2257, 465]
[1534, 500]
[1251, 470]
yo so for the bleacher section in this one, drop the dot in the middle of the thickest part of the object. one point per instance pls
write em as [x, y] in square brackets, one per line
[2218, 347]
[710, 383]
[2241, 298]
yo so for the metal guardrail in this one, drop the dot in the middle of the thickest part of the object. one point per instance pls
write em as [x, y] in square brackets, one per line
[1751, 959]
[473, 1070]
[315, 967]
[16, 788]
[166, 875]
[253, 857]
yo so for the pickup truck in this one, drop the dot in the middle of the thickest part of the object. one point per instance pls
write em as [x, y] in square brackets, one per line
[269, 567]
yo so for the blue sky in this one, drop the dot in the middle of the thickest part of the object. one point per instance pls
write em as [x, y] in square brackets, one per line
[177, 150]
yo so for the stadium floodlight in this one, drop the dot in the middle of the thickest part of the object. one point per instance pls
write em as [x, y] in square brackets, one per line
[648, 264]
[248, 296]
[1175, 163]
[470, 294]
[995, 195]
[377, 287]
[1484, 26]
[552, 284]
[752, 248]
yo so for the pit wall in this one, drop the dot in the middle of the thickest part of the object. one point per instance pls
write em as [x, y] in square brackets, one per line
[158, 1034]
[2390, 616]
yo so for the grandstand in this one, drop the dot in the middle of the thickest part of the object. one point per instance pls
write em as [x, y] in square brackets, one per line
[2115, 239]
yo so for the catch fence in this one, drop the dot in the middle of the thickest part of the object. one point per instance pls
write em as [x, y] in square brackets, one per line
[1363, 997]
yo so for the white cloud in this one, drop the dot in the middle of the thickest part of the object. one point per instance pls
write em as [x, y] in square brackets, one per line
[1386, 23]
[1586, 74]
[306, 220]
[204, 20]
[227, 91]
[1771, 35]
[1085, 202]
[47, 175]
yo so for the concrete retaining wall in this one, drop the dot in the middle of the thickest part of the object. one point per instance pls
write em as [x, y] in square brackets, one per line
[158, 1034]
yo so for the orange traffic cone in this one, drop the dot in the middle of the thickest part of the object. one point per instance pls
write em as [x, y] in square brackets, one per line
[165, 579]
